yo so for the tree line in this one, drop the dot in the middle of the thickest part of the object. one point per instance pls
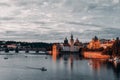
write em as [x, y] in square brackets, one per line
[47, 46]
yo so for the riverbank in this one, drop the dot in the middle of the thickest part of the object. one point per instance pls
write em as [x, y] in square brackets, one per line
[95, 55]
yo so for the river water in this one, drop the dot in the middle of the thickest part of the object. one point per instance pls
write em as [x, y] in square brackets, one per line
[70, 67]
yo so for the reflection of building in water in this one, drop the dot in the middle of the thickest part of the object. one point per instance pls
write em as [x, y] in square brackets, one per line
[95, 64]
[116, 70]
[54, 57]
[70, 60]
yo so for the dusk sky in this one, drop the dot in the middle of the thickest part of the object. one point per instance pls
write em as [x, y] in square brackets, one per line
[53, 20]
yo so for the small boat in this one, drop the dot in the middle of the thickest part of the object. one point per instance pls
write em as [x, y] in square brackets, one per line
[26, 56]
[5, 57]
[43, 69]
[46, 58]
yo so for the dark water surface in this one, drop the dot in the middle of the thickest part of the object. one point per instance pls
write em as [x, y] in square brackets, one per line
[71, 67]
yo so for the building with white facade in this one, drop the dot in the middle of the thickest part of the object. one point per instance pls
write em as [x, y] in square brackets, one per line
[71, 46]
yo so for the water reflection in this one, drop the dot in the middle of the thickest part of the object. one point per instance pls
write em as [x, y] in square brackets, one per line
[59, 67]
[116, 70]
[96, 64]
[100, 67]
[71, 61]
[54, 57]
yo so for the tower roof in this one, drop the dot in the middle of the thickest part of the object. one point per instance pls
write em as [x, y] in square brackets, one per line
[77, 43]
[77, 40]
[95, 38]
[66, 40]
[71, 36]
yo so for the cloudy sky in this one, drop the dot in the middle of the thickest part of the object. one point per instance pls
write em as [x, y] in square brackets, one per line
[52, 20]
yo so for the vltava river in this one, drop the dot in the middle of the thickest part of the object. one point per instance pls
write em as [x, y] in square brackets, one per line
[70, 67]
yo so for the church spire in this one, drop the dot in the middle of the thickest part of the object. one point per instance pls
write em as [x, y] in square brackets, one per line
[71, 40]
[71, 36]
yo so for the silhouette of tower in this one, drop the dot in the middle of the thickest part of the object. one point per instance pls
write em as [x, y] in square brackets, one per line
[71, 40]
[71, 43]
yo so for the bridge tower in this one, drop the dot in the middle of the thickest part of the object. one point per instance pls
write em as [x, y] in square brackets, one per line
[55, 50]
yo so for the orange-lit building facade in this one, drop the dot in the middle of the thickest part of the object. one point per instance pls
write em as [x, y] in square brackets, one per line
[107, 43]
[55, 49]
[96, 43]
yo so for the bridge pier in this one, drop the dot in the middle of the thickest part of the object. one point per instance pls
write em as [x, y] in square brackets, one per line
[37, 51]
[27, 51]
[6, 50]
[16, 50]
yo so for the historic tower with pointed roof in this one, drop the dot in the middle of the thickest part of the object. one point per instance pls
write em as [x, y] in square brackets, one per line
[71, 46]
[66, 41]
[71, 43]
[71, 40]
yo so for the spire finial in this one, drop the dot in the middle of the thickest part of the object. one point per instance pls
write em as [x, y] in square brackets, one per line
[71, 36]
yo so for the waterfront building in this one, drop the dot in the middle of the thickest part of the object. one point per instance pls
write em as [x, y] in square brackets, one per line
[77, 45]
[116, 47]
[12, 46]
[71, 46]
[66, 45]
[55, 49]
[96, 48]
[107, 43]
[94, 44]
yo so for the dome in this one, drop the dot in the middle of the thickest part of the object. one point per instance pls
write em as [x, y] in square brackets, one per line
[66, 41]
[77, 43]
[95, 38]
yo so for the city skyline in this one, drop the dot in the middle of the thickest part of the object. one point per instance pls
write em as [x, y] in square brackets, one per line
[59, 40]
[53, 20]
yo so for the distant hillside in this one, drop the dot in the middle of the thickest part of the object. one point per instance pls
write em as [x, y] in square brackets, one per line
[47, 46]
